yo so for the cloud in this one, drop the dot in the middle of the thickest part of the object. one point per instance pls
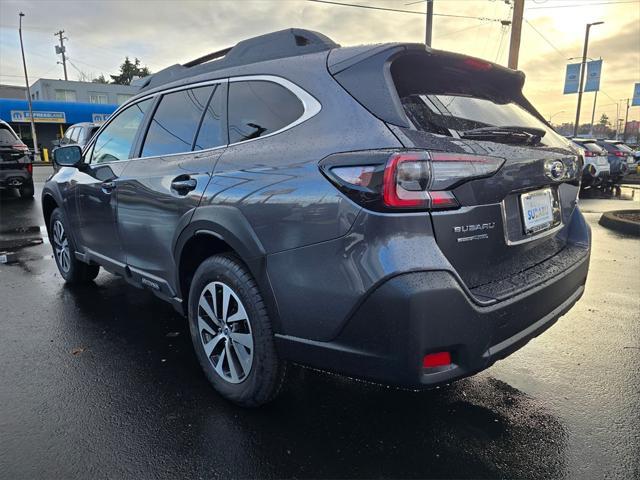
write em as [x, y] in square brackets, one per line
[162, 33]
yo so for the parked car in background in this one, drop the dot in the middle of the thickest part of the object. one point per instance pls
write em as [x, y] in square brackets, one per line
[16, 167]
[596, 168]
[388, 212]
[78, 134]
[620, 157]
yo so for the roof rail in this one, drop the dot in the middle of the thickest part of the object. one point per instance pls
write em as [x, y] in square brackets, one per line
[284, 43]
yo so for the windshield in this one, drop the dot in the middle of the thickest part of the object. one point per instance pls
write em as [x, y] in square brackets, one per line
[454, 114]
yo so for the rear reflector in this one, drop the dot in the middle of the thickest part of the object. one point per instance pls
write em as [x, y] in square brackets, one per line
[438, 359]
[30, 168]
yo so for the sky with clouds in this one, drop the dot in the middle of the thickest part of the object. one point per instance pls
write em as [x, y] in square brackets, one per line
[164, 32]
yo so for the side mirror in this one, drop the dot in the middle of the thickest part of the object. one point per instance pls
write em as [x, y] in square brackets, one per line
[68, 156]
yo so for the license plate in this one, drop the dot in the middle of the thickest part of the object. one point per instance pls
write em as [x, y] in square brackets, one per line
[537, 210]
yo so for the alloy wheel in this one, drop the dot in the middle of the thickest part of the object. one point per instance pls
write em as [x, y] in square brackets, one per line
[61, 246]
[225, 332]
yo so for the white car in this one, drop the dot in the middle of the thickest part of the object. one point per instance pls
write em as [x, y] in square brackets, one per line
[596, 168]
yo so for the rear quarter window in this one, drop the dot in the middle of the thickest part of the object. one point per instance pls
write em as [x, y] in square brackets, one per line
[259, 107]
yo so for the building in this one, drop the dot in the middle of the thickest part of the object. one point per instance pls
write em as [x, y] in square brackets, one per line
[57, 104]
[83, 92]
[13, 91]
[51, 118]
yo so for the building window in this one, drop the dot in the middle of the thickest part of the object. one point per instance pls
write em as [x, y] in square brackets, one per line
[98, 98]
[123, 97]
[66, 95]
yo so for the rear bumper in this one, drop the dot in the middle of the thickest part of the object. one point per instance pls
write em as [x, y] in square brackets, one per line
[417, 313]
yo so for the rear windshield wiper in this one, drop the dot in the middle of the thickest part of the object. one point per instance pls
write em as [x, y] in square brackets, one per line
[523, 134]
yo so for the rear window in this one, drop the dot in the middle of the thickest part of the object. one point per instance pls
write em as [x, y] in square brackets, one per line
[592, 147]
[449, 96]
[454, 114]
[258, 108]
[623, 147]
[7, 136]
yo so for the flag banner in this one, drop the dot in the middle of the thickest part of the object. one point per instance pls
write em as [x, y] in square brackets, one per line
[635, 102]
[594, 70]
[572, 78]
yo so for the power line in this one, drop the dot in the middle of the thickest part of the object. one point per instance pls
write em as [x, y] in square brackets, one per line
[583, 4]
[564, 57]
[397, 10]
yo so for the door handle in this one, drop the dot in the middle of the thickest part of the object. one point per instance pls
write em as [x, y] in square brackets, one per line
[107, 187]
[183, 185]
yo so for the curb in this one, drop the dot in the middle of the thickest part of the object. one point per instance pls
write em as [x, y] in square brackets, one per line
[612, 221]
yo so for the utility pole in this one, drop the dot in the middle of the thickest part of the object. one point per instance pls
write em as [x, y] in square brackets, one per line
[593, 113]
[582, 69]
[36, 154]
[624, 127]
[61, 50]
[516, 33]
[429, 30]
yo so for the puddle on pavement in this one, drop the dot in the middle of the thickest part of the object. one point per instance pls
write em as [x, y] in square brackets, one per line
[13, 241]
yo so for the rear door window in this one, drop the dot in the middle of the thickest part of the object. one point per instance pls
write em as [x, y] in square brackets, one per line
[175, 122]
[115, 142]
[258, 108]
[213, 132]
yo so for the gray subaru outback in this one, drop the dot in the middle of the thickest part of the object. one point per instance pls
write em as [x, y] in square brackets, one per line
[391, 212]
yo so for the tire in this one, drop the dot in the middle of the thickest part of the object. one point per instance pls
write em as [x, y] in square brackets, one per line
[72, 270]
[236, 352]
[27, 191]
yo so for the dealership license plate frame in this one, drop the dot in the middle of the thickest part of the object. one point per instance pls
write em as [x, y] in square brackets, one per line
[541, 198]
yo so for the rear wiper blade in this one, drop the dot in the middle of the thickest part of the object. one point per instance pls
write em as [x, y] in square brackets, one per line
[527, 134]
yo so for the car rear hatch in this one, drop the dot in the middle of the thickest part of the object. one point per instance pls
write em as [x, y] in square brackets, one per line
[461, 109]
[13, 153]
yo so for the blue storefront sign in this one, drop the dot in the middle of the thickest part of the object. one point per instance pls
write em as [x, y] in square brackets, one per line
[572, 78]
[100, 117]
[594, 70]
[38, 116]
[635, 102]
[17, 111]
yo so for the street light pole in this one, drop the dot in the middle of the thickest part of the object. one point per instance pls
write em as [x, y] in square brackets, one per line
[582, 69]
[429, 25]
[36, 154]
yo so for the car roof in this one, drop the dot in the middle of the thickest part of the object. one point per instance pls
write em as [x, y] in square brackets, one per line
[271, 46]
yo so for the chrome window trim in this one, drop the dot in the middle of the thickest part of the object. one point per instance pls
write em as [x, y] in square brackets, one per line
[311, 107]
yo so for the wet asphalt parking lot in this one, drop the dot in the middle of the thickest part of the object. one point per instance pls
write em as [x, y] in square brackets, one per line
[101, 382]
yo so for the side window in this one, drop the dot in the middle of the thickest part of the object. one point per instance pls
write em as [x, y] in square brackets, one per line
[259, 107]
[75, 135]
[115, 141]
[175, 122]
[212, 131]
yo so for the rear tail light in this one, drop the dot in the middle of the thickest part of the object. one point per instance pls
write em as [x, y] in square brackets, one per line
[588, 153]
[618, 153]
[414, 180]
[30, 168]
